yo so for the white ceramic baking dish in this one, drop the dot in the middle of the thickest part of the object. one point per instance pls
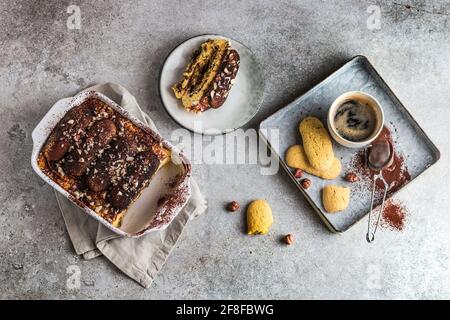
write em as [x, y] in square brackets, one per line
[157, 205]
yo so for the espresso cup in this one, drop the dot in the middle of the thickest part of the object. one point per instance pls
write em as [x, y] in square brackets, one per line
[362, 98]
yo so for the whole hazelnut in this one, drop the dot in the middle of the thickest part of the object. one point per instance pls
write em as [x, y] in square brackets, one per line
[351, 177]
[288, 239]
[306, 183]
[233, 206]
[298, 173]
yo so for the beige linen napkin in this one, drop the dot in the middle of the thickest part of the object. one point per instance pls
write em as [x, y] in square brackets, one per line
[141, 258]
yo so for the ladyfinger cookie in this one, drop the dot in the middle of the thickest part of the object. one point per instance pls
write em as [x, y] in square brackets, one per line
[316, 143]
[296, 158]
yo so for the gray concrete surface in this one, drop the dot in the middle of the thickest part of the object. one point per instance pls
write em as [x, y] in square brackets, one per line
[299, 43]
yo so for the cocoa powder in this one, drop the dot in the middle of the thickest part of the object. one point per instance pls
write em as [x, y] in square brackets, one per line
[394, 214]
[396, 175]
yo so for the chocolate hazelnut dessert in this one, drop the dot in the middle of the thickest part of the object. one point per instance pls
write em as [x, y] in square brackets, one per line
[208, 79]
[101, 158]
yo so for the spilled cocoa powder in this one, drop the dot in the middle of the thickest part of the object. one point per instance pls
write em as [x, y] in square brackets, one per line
[394, 215]
[396, 175]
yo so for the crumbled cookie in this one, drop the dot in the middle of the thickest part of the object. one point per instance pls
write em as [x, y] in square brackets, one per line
[335, 198]
[296, 158]
[316, 143]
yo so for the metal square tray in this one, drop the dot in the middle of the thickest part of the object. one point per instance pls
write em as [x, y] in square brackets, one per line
[357, 74]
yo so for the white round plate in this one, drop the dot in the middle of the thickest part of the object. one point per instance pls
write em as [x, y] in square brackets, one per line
[242, 103]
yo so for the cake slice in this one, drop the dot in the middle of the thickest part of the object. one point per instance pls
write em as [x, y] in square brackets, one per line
[209, 77]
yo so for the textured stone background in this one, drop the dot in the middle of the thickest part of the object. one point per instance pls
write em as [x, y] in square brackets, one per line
[299, 43]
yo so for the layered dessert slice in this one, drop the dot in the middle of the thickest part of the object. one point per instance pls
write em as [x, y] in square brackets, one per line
[208, 78]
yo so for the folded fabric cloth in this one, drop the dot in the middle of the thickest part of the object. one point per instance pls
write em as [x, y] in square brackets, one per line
[141, 258]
